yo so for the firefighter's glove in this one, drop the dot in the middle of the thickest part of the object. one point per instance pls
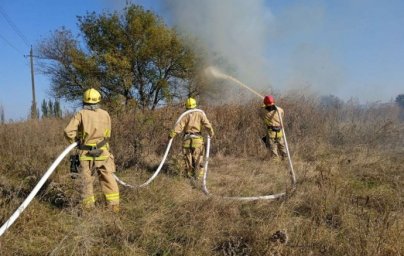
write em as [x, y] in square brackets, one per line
[172, 134]
[74, 165]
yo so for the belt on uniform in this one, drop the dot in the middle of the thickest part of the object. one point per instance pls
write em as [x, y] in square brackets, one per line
[275, 128]
[89, 147]
[190, 135]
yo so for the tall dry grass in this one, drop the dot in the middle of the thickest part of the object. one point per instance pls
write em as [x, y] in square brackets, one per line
[349, 198]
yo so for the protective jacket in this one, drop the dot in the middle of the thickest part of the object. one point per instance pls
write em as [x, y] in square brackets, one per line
[191, 124]
[90, 127]
[272, 121]
[271, 118]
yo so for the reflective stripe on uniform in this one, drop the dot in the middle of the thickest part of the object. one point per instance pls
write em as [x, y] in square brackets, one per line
[192, 141]
[201, 174]
[107, 133]
[112, 197]
[90, 158]
[275, 134]
[100, 158]
[89, 200]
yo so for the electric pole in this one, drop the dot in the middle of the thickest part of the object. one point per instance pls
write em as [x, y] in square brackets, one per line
[34, 114]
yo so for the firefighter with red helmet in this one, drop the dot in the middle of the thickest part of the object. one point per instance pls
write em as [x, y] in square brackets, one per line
[274, 136]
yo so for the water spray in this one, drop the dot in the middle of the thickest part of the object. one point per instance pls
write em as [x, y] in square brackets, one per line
[212, 71]
[217, 74]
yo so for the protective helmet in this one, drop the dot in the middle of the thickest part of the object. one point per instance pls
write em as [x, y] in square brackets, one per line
[269, 100]
[190, 103]
[91, 96]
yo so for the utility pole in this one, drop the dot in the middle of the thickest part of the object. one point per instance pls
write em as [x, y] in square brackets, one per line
[34, 114]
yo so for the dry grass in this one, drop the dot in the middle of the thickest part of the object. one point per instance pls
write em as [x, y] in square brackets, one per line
[349, 199]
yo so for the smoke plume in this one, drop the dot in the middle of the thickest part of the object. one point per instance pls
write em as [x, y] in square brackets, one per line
[268, 53]
[235, 33]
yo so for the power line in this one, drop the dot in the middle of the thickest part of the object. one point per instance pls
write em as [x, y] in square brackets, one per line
[13, 26]
[10, 44]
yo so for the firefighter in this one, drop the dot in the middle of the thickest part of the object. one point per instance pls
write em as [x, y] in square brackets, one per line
[274, 136]
[91, 127]
[193, 144]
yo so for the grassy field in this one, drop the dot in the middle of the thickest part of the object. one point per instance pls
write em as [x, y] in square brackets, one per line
[349, 162]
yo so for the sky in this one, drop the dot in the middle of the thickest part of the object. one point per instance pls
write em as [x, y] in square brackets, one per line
[348, 48]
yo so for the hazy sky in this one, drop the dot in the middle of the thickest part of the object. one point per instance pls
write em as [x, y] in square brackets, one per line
[349, 48]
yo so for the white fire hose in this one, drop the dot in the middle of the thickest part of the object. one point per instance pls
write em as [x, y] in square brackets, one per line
[38, 186]
[164, 157]
[52, 168]
[291, 170]
[154, 174]
[251, 198]
[204, 183]
[219, 75]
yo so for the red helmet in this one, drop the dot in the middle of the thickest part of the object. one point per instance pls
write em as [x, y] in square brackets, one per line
[269, 100]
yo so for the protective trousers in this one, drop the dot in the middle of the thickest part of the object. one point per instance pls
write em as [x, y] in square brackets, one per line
[193, 156]
[276, 144]
[104, 169]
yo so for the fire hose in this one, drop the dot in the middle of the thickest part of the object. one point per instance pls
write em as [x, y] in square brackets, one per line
[212, 71]
[164, 157]
[204, 183]
[252, 198]
[52, 168]
[38, 186]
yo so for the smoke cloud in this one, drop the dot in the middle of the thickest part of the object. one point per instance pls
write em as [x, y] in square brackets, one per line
[235, 32]
[306, 60]
[263, 51]
[313, 46]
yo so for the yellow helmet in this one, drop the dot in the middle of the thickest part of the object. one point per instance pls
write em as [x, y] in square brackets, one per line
[91, 96]
[190, 103]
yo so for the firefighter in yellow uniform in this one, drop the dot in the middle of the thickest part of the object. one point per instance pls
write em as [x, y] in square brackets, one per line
[193, 144]
[274, 137]
[91, 127]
